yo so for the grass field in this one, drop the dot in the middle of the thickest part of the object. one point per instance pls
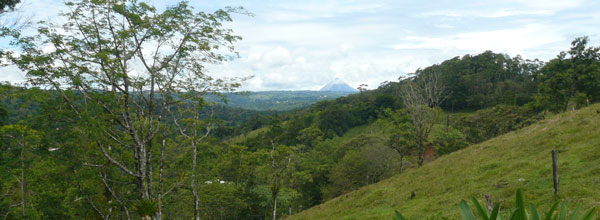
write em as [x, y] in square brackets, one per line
[498, 167]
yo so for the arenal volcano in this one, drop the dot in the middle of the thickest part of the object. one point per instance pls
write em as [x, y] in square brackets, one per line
[338, 85]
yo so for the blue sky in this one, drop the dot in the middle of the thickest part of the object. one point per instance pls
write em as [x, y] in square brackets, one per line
[302, 45]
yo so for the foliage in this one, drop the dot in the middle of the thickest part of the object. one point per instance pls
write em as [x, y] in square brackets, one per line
[129, 114]
[368, 161]
[276, 100]
[488, 123]
[487, 79]
[520, 211]
[398, 216]
[446, 139]
[3, 115]
[573, 76]
[146, 207]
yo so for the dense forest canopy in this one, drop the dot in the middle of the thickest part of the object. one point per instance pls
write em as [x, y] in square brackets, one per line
[90, 138]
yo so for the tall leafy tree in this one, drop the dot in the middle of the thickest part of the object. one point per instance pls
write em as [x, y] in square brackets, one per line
[574, 75]
[122, 67]
[18, 140]
[402, 138]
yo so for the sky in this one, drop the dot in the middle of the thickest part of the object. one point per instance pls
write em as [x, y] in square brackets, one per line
[303, 45]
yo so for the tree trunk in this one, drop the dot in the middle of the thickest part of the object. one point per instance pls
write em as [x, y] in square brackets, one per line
[275, 209]
[401, 161]
[555, 171]
[23, 181]
[421, 152]
[195, 187]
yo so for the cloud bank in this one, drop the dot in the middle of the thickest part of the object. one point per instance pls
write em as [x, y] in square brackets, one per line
[302, 45]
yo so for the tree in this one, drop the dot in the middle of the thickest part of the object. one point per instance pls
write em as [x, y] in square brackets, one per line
[310, 136]
[368, 160]
[573, 76]
[281, 159]
[122, 67]
[6, 5]
[3, 115]
[402, 137]
[193, 130]
[363, 87]
[19, 142]
[422, 96]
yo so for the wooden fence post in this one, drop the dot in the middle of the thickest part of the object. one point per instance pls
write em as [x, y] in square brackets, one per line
[555, 171]
[490, 206]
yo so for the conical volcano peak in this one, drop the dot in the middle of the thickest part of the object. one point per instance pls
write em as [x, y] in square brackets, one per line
[338, 85]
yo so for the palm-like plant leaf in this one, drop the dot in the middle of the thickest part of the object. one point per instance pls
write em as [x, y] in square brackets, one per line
[551, 211]
[480, 209]
[562, 215]
[575, 212]
[520, 205]
[398, 216]
[495, 213]
[588, 215]
[534, 213]
[519, 213]
[465, 211]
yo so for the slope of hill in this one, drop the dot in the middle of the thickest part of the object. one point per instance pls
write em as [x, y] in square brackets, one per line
[520, 159]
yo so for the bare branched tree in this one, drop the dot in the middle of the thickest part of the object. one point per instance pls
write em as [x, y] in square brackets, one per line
[422, 96]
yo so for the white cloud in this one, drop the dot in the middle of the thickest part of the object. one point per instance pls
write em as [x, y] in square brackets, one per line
[293, 45]
[487, 13]
[12, 74]
[549, 5]
[513, 41]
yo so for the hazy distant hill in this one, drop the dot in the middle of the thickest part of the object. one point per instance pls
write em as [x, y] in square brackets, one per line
[338, 85]
[278, 100]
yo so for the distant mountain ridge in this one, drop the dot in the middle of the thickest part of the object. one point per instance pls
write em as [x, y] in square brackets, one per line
[276, 100]
[338, 85]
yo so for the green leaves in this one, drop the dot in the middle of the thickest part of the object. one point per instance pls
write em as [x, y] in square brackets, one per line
[398, 216]
[572, 76]
[480, 209]
[548, 215]
[520, 212]
[466, 212]
[146, 207]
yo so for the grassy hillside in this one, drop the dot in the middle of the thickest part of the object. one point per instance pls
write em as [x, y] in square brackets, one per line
[498, 167]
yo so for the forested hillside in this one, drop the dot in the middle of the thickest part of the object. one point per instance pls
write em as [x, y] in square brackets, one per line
[116, 120]
[497, 167]
[275, 100]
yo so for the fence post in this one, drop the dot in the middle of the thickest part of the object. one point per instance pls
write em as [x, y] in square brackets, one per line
[555, 171]
[490, 206]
